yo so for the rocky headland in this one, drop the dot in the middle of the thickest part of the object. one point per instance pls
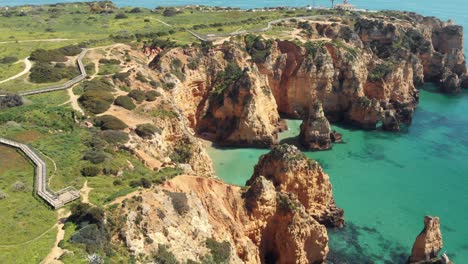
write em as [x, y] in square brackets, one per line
[275, 219]
[363, 68]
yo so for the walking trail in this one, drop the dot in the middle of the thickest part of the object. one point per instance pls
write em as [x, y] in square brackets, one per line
[28, 66]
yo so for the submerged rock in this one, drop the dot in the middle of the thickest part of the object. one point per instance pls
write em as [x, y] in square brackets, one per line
[428, 244]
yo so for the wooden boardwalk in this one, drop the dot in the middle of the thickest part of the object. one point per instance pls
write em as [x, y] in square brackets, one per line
[64, 86]
[60, 198]
[55, 199]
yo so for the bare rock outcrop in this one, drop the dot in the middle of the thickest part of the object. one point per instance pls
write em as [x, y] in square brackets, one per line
[291, 171]
[278, 218]
[316, 133]
[428, 244]
[260, 225]
[284, 231]
[243, 113]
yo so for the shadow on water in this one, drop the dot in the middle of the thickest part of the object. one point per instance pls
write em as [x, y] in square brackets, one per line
[346, 247]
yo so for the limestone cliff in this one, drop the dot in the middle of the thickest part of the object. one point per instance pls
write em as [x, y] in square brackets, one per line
[224, 97]
[291, 171]
[264, 223]
[428, 244]
[364, 69]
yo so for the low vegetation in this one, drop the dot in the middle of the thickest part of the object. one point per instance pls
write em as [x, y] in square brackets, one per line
[97, 96]
[179, 202]
[10, 100]
[46, 73]
[258, 48]
[380, 71]
[125, 102]
[147, 130]
[109, 122]
[137, 95]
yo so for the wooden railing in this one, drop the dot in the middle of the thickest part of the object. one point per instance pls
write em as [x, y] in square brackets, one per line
[64, 86]
[56, 200]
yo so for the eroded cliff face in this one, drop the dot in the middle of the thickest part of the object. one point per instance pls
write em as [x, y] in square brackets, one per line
[268, 222]
[291, 171]
[224, 97]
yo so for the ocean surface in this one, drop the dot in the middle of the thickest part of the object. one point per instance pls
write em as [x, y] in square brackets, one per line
[386, 182]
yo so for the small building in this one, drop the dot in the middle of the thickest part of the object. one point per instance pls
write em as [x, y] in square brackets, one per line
[345, 6]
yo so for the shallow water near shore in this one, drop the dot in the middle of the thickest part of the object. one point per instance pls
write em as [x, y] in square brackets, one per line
[387, 182]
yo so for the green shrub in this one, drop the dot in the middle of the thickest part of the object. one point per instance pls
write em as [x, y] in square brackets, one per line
[152, 95]
[98, 84]
[42, 55]
[154, 83]
[117, 182]
[138, 95]
[95, 101]
[193, 64]
[135, 183]
[179, 202]
[114, 136]
[8, 60]
[220, 251]
[109, 122]
[90, 171]
[142, 182]
[145, 183]
[182, 153]
[380, 71]
[163, 256]
[110, 61]
[147, 130]
[46, 73]
[169, 86]
[125, 102]
[10, 100]
[231, 74]
[141, 78]
[92, 231]
[121, 16]
[121, 76]
[95, 157]
[170, 11]
[135, 10]
[258, 47]
[71, 50]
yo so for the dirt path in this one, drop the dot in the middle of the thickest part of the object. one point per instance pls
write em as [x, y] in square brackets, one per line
[85, 193]
[28, 66]
[62, 215]
[35, 40]
[56, 251]
[74, 101]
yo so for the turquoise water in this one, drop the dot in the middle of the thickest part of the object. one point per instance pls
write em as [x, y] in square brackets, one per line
[386, 182]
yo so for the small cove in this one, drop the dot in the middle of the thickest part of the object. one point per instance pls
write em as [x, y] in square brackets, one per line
[387, 182]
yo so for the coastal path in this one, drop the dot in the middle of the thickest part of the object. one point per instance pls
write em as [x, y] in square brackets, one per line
[55, 199]
[64, 86]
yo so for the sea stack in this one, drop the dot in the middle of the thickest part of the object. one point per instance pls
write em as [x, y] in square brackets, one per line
[316, 133]
[428, 244]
